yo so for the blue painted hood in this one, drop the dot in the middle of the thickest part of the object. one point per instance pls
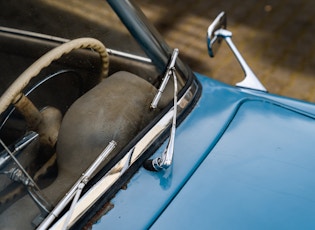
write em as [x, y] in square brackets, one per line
[241, 161]
[260, 175]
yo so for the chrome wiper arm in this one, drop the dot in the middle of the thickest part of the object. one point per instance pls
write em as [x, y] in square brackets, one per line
[19, 174]
[76, 189]
[168, 72]
[18, 163]
[166, 158]
[18, 146]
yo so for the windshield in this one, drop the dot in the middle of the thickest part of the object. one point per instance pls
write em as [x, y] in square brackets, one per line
[87, 93]
[70, 20]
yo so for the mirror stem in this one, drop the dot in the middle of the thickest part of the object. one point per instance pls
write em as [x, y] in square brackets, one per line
[250, 80]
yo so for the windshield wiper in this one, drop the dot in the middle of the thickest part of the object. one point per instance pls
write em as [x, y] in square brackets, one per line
[166, 159]
[15, 150]
[19, 174]
[75, 192]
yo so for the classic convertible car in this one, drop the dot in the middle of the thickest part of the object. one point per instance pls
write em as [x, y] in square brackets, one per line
[112, 130]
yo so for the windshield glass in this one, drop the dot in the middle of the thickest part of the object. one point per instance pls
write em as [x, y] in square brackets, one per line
[83, 100]
[69, 19]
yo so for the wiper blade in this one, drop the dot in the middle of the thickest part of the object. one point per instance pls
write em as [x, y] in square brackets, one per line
[170, 69]
[76, 190]
[16, 148]
[166, 159]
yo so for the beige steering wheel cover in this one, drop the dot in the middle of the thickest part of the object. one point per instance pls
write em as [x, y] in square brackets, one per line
[22, 81]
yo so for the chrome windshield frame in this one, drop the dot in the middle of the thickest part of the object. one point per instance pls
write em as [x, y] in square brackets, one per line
[146, 35]
[59, 40]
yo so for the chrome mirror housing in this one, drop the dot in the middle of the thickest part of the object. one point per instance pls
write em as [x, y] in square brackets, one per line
[213, 39]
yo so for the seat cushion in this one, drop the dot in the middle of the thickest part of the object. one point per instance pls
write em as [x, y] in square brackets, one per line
[116, 109]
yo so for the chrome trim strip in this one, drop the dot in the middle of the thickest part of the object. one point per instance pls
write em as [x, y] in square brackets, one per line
[127, 55]
[97, 190]
[32, 34]
[63, 40]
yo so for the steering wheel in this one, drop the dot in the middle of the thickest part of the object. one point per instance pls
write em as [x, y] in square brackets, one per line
[47, 121]
[14, 92]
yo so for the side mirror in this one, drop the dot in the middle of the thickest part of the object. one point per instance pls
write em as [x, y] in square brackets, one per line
[213, 40]
[216, 33]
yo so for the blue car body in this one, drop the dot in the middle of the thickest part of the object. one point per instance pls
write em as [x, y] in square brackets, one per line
[242, 159]
[249, 165]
